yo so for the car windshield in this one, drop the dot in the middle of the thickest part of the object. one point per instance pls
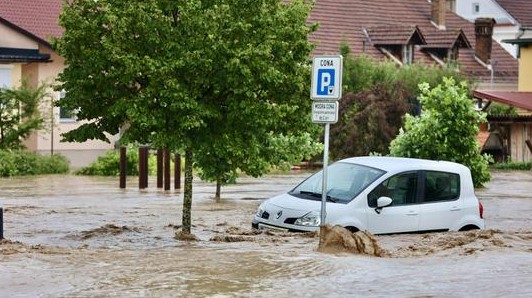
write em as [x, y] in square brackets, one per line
[344, 182]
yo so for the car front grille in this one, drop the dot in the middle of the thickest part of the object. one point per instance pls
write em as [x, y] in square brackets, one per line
[265, 215]
[290, 220]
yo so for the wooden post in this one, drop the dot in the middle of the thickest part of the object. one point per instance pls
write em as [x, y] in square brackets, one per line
[160, 168]
[177, 171]
[123, 167]
[166, 169]
[146, 157]
[1, 223]
[143, 167]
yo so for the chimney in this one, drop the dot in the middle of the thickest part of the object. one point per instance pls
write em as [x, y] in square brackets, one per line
[438, 13]
[483, 38]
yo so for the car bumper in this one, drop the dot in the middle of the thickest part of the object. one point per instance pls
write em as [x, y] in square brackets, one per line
[256, 224]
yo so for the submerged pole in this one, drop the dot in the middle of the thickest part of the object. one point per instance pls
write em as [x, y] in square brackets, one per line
[166, 169]
[160, 168]
[1, 223]
[123, 167]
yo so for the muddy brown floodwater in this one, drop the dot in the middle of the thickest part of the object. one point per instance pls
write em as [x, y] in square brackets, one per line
[70, 236]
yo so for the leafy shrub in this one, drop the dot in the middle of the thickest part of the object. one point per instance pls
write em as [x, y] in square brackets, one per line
[446, 130]
[22, 163]
[54, 164]
[109, 164]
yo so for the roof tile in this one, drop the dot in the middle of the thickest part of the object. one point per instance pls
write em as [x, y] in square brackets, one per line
[343, 20]
[521, 10]
[36, 17]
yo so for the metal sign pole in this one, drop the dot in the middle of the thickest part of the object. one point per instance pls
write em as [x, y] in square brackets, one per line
[325, 91]
[324, 182]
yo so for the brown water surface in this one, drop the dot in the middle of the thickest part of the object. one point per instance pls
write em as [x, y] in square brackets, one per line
[70, 236]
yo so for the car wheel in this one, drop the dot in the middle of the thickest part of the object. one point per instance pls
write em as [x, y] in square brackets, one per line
[469, 228]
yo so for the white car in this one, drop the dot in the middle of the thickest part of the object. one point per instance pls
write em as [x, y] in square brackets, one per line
[381, 195]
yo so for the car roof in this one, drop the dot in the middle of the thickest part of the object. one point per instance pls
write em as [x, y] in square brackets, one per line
[401, 164]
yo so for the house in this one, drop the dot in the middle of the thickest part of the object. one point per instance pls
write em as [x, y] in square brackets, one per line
[516, 130]
[508, 14]
[26, 30]
[404, 31]
[411, 31]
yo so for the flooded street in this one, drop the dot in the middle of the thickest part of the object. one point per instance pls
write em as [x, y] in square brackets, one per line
[71, 236]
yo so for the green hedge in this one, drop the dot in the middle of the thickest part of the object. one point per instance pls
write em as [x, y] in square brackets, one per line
[22, 163]
[109, 164]
[511, 165]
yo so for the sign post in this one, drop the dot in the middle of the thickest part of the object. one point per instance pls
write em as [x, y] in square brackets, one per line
[325, 91]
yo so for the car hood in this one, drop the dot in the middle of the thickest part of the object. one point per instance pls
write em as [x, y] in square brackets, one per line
[289, 202]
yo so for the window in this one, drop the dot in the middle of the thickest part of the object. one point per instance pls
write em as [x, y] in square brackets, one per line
[476, 8]
[344, 182]
[6, 76]
[402, 189]
[408, 54]
[441, 186]
[65, 114]
[452, 54]
[451, 5]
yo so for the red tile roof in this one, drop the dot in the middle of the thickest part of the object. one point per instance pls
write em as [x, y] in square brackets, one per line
[521, 10]
[36, 18]
[447, 39]
[394, 35]
[521, 100]
[343, 21]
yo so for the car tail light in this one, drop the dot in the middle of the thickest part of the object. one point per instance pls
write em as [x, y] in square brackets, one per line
[480, 209]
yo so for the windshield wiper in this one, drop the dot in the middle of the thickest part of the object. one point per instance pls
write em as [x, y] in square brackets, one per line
[317, 195]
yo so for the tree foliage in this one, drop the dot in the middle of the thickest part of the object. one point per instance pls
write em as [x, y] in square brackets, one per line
[20, 114]
[446, 129]
[223, 81]
[369, 120]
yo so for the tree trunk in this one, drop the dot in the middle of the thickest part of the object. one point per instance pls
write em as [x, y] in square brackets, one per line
[218, 190]
[187, 195]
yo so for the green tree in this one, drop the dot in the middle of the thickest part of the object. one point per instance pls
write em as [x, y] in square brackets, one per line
[20, 114]
[446, 130]
[220, 81]
[377, 94]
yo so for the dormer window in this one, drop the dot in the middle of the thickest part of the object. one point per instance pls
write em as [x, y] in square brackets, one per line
[444, 46]
[452, 54]
[395, 41]
[408, 54]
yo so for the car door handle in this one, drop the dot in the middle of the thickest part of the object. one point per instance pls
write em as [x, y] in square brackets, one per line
[411, 213]
[454, 208]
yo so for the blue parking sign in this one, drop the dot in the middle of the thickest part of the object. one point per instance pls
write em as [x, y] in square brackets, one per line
[326, 77]
[325, 81]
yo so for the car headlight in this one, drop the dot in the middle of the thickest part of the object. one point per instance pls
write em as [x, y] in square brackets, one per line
[311, 219]
[260, 211]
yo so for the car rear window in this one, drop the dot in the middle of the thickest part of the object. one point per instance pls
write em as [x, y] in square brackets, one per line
[441, 186]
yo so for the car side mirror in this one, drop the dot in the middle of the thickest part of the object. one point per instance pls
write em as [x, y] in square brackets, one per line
[382, 202]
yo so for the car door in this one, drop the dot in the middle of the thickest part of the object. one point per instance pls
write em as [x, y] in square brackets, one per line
[441, 205]
[402, 214]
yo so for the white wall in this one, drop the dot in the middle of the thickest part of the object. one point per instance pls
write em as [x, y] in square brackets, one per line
[506, 27]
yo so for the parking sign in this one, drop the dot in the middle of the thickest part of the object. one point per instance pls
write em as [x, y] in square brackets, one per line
[326, 77]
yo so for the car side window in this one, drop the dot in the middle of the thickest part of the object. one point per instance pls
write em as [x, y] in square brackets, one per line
[441, 186]
[400, 188]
